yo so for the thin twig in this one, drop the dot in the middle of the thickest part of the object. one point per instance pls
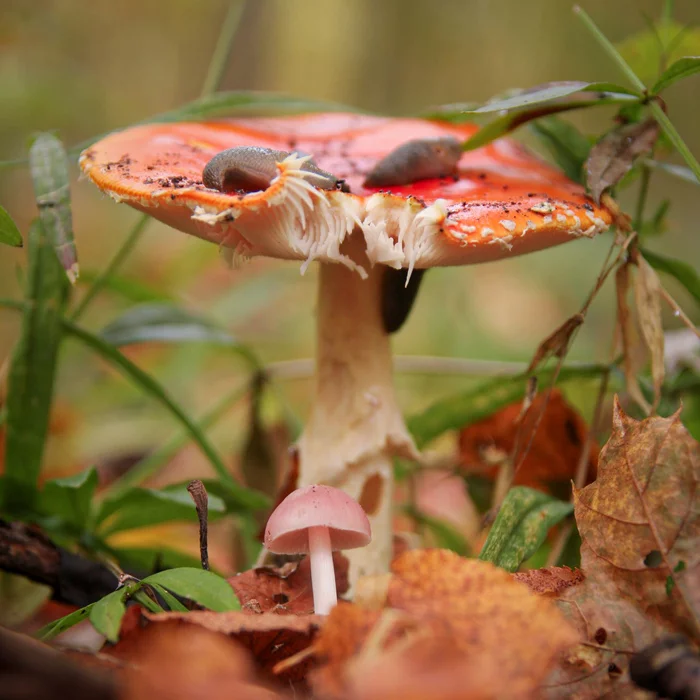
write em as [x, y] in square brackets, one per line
[679, 312]
[201, 502]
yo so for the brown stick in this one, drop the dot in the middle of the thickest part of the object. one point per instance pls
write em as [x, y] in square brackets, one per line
[201, 503]
[75, 580]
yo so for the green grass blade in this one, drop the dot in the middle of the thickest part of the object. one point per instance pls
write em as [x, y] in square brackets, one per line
[521, 526]
[48, 632]
[33, 369]
[48, 165]
[682, 68]
[246, 499]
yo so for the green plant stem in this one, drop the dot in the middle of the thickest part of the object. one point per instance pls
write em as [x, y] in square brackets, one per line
[222, 50]
[667, 11]
[145, 468]
[674, 137]
[120, 256]
[609, 48]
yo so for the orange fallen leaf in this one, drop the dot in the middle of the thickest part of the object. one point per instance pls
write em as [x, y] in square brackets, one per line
[462, 627]
[269, 638]
[285, 590]
[640, 526]
[181, 663]
[555, 450]
[552, 580]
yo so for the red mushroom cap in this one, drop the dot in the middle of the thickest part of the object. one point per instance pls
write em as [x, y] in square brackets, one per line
[317, 506]
[502, 201]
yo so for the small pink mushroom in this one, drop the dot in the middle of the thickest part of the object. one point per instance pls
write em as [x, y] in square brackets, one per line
[317, 520]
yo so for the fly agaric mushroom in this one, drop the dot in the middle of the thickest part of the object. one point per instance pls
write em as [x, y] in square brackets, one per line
[317, 520]
[502, 201]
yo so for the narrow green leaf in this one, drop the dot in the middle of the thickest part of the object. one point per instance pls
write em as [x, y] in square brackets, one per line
[48, 165]
[166, 323]
[552, 91]
[170, 600]
[568, 146]
[682, 271]
[521, 526]
[48, 632]
[71, 498]
[106, 614]
[245, 499]
[500, 126]
[459, 410]
[679, 171]
[33, 368]
[9, 233]
[151, 559]
[204, 587]
[140, 507]
[682, 68]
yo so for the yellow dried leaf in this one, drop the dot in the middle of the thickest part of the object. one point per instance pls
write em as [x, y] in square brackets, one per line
[647, 291]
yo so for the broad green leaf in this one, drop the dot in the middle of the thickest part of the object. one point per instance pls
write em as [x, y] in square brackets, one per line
[682, 68]
[459, 410]
[166, 323]
[203, 587]
[9, 233]
[679, 171]
[32, 369]
[246, 499]
[170, 600]
[71, 498]
[552, 91]
[681, 270]
[107, 613]
[568, 146]
[446, 536]
[500, 126]
[135, 291]
[521, 526]
[140, 507]
[48, 165]
[48, 632]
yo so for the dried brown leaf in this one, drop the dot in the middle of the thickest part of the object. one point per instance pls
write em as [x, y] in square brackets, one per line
[647, 290]
[639, 520]
[553, 580]
[285, 590]
[633, 353]
[616, 153]
[557, 343]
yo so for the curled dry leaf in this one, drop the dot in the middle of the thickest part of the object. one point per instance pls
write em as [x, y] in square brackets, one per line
[460, 627]
[553, 454]
[640, 526]
[647, 291]
[285, 590]
[615, 154]
[634, 355]
[556, 344]
[269, 638]
[180, 663]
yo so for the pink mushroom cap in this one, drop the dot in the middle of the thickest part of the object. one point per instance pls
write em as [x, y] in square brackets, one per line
[317, 506]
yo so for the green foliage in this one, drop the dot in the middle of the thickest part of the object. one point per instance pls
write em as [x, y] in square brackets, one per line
[9, 233]
[70, 499]
[521, 526]
[678, 269]
[204, 587]
[567, 145]
[32, 371]
[48, 165]
[445, 535]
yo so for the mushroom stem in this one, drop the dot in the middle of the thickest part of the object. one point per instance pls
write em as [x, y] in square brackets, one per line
[355, 427]
[322, 570]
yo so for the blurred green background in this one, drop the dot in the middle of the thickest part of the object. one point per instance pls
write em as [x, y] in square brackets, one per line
[82, 68]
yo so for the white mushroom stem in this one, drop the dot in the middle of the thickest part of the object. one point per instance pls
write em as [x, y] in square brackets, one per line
[322, 570]
[355, 427]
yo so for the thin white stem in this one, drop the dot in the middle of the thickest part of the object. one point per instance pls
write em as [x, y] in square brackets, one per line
[322, 571]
